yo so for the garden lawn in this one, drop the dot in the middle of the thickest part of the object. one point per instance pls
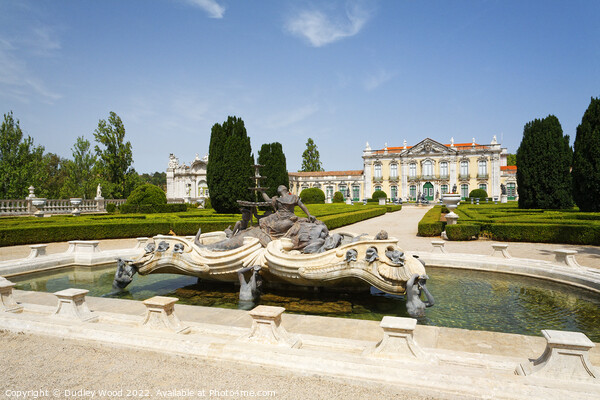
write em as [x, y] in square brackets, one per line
[60, 228]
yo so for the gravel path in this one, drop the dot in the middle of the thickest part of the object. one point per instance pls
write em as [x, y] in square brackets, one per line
[69, 367]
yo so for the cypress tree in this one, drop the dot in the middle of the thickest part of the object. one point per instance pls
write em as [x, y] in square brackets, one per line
[586, 160]
[229, 166]
[311, 160]
[272, 158]
[543, 166]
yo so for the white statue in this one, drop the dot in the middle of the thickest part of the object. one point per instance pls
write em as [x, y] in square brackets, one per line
[452, 141]
[99, 191]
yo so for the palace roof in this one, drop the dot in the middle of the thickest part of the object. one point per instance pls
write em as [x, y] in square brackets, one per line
[326, 173]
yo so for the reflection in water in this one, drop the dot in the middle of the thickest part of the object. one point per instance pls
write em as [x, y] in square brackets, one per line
[464, 299]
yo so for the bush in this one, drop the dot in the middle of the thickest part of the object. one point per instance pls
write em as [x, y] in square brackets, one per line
[338, 197]
[462, 231]
[111, 208]
[312, 196]
[207, 204]
[147, 194]
[378, 194]
[151, 209]
[336, 221]
[478, 193]
[430, 224]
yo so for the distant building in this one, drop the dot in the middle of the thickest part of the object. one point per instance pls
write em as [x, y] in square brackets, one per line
[429, 167]
[187, 181]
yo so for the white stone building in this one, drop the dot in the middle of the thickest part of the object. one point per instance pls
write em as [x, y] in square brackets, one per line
[187, 182]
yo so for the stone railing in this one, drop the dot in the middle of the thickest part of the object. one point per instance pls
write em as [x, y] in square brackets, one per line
[55, 206]
[116, 202]
[14, 207]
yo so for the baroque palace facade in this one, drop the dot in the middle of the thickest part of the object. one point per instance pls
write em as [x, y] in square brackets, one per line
[428, 168]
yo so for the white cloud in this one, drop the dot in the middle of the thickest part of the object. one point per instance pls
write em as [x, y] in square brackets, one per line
[16, 79]
[290, 117]
[321, 29]
[214, 9]
[373, 81]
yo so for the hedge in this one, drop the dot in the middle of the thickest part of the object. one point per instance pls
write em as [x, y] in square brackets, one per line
[462, 231]
[430, 224]
[336, 221]
[544, 233]
[338, 197]
[151, 208]
[379, 194]
[312, 196]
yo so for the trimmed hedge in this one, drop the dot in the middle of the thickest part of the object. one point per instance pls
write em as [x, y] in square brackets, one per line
[338, 197]
[478, 193]
[544, 233]
[462, 231]
[378, 194]
[147, 194]
[393, 207]
[336, 221]
[430, 224]
[151, 208]
[312, 196]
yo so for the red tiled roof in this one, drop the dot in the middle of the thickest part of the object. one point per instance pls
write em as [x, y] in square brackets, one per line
[509, 168]
[459, 145]
[326, 173]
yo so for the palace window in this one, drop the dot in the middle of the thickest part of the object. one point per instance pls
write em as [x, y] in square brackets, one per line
[377, 188]
[329, 192]
[394, 171]
[444, 169]
[482, 168]
[378, 171]
[511, 190]
[413, 191]
[444, 189]
[483, 186]
[427, 168]
[464, 190]
[394, 192]
[344, 190]
[355, 192]
[464, 168]
[412, 172]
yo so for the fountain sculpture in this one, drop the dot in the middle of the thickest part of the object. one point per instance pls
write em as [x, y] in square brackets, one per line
[284, 249]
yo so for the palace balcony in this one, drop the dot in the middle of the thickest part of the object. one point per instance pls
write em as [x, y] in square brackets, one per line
[445, 177]
[378, 179]
[483, 176]
[464, 177]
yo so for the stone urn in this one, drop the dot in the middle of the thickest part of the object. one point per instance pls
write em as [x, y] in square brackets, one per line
[451, 201]
[76, 202]
[39, 204]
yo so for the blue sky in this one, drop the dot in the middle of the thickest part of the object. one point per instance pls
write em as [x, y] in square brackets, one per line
[341, 72]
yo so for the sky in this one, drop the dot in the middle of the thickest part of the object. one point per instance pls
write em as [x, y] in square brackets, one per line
[340, 72]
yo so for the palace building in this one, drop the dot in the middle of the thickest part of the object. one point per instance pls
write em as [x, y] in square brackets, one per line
[428, 167]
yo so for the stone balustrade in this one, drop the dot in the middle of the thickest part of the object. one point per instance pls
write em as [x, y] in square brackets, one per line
[56, 206]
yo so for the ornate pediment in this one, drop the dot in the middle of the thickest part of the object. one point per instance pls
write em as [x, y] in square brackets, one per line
[429, 147]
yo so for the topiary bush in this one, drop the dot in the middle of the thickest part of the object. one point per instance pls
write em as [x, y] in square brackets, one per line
[338, 197]
[312, 196]
[111, 208]
[378, 194]
[478, 193]
[462, 231]
[147, 194]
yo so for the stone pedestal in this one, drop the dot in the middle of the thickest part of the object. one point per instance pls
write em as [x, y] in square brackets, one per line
[382, 201]
[349, 201]
[266, 328]
[160, 315]
[451, 218]
[500, 250]
[37, 250]
[72, 305]
[7, 301]
[76, 202]
[566, 257]
[398, 341]
[100, 205]
[438, 246]
[565, 358]
[504, 199]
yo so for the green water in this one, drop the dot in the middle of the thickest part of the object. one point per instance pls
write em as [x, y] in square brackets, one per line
[464, 299]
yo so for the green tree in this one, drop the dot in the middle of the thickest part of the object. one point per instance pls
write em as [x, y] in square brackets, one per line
[114, 158]
[80, 181]
[229, 170]
[20, 161]
[157, 178]
[54, 175]
[543, 166]
[274, 167]
[586, 160]
[310, 158]
[511, 159]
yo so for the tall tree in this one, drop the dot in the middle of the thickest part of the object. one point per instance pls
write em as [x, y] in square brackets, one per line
[54, 175]
[157, 178]
[114, 157]
[586, 160]
[511, 159]
[310, 158]
[229, 170]
[20, 161]
[81, 180]
[543, 166]
[271, 157]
